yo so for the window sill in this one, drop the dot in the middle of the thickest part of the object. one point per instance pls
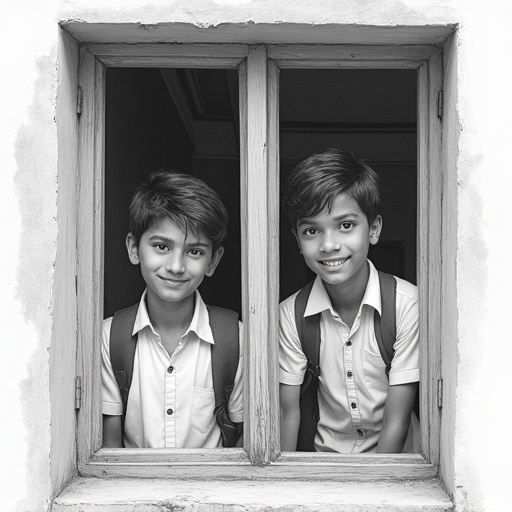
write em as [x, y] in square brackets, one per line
[132, 495]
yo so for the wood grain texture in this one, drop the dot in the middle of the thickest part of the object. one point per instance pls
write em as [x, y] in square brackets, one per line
[256, 252]
[259, 140]
[273, 255]
[350, 56]
[89, 251]
[430, 278]
[435, 267]
[272, 472]
[169, 50]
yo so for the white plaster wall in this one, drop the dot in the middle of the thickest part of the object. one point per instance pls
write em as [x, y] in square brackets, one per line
[480, 475]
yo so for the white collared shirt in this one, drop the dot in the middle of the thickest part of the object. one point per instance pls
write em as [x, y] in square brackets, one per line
[353, 384]
[171, 400]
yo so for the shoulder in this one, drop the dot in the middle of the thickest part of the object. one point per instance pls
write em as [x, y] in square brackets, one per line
[288, 304]
[405, 289]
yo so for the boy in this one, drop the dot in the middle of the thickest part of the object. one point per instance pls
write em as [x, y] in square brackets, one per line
[333, 203]
[177, 226]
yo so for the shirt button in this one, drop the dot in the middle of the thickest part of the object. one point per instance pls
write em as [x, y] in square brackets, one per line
[349, 374]
[170, 369]
[169, 411]
[360, 432]
[353, 405]
[349, 343]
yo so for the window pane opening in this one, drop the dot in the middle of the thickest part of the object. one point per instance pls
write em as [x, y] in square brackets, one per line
[373, 114]
[187, 120]
[182, 119]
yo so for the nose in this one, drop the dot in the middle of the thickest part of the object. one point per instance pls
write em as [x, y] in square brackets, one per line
[330, 243]
[174, 263]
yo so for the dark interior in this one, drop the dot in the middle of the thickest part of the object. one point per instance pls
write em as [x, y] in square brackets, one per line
[187, 119]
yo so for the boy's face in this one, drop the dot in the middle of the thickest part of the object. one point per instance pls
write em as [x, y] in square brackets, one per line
[172, 266]
[335, 243]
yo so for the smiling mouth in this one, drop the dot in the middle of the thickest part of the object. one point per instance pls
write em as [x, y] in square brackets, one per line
[172, 281]
[335, 263]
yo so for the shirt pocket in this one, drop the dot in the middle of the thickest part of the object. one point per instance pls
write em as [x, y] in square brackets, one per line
[374, 371]
[203, 405]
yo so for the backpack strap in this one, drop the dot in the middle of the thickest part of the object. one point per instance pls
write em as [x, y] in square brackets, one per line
[308, 330]
[122, 351]
[225, 356]
[225, 350]
[385, 323]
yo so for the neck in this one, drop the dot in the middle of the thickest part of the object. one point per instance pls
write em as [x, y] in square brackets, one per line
[349, 295]
[165, 315]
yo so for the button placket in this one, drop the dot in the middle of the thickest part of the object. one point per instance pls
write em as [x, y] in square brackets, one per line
[170, 404]
[351, 385]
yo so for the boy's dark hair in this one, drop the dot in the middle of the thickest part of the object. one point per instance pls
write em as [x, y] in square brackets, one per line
[319, 177]
[185, 199]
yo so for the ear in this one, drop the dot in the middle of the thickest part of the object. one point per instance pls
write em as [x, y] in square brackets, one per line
[133, 249]
[375, 230]
[214, 261]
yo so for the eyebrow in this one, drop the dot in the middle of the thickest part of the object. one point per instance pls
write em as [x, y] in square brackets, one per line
[343, 216]
[170, 241]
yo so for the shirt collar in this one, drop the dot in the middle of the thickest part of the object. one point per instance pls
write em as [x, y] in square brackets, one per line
[319, 300]
[199, 324]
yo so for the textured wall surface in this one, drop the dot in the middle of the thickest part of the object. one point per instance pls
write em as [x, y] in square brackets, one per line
[36, 228]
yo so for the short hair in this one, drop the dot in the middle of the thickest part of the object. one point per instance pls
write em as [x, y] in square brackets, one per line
[319, 177]
[185, 199]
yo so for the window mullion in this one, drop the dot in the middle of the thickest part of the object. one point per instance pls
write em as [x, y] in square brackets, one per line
[259, 249]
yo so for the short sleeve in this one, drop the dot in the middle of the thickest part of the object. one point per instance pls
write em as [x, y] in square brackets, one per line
[111, 402]
[236, 400]
[292, 360]
[405, 364]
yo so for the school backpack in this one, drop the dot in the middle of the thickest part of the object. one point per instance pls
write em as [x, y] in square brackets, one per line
[225, 354]
[308, 330]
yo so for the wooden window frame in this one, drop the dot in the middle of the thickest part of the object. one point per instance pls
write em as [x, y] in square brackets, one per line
[258, 67]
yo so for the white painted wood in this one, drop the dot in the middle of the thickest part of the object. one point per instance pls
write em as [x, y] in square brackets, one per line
[89, 251]
[171, 62]
[436, 276]
[258, 78]
[430, 278]
[346, 56]
[244, 470]
[259, 292]
[254, 33]
[201, 52]
[423, 234]
[273, 166]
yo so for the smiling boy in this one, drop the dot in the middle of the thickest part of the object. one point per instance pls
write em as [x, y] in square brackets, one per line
[177, 226]
[333, 203]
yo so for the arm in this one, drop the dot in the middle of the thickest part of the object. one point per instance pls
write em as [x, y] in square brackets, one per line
[290, 416]
[397, 417]
[112, 432]
[111, 402]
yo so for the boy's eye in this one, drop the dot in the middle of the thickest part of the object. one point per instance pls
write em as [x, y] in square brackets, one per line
[196, 252]
[161, 247]
[310, 231]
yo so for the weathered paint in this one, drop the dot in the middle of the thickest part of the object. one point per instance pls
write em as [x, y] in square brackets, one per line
[475, 453]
